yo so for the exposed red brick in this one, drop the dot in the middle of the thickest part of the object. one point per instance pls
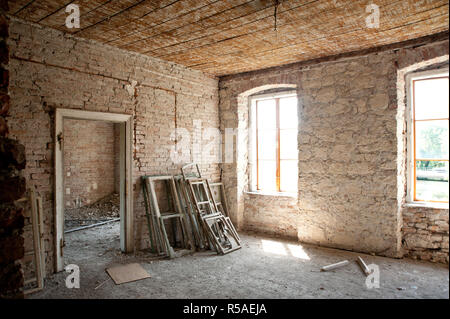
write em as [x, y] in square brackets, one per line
[4, 78]
[11, 188]
[4, 52]
[11, 279]
[89, 162]
[11, 249]
[3, 127]
[4, 104]
[4, 5]
[12, 154]
[11, 218]
[3, 26]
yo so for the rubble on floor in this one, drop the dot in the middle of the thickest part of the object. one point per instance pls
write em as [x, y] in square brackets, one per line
[107, 208]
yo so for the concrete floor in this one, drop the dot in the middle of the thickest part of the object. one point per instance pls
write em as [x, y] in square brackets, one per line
[263, 268]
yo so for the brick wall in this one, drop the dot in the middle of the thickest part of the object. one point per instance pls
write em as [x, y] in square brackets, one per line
[51, 70]
[351, 155]
[425, 233]
[89, 161]
[12, 184]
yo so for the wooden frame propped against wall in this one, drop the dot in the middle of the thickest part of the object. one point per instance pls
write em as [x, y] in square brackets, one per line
[126, 191]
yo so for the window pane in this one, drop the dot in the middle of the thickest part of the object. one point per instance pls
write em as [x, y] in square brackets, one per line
[288, 144]
[267, 144]
[288, 112]
[267, 175]
[431, 99]
[289, 176]
[432, 139]
[432, 181]
[267, 114]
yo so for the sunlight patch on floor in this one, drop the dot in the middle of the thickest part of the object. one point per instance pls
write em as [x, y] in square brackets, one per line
[298, 251]
[279, 248]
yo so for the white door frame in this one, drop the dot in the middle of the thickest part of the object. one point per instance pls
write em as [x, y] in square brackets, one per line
[126, 174]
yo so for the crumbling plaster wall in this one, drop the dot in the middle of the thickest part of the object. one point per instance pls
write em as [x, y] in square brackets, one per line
[50, 70]
[12, 183]
[350, 194]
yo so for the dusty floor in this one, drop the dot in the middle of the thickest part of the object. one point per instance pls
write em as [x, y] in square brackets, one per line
[263, 268]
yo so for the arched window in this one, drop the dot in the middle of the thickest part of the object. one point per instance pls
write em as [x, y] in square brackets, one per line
[273, 143]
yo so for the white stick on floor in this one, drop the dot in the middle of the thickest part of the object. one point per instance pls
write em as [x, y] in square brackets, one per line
[334, 266]
[363, 266]
[102, 283]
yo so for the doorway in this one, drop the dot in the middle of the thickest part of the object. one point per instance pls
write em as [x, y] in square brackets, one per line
[123, 123]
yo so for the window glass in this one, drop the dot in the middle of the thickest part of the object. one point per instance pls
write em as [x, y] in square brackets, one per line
[288, 113]
[288, 144]
[289, 175]
[431, 154]
[267, 114]
[267, 175]
[432, 180]
[276, 144]
[432, 139]
[267, 144]
[431, 99]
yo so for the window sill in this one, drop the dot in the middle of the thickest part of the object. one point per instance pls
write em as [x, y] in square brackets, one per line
[427, 205]
[273, 194]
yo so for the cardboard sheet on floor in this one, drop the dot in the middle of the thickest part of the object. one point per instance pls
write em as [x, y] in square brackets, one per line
[127, 273]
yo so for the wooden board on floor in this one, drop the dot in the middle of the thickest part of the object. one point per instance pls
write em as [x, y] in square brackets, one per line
[127, 273]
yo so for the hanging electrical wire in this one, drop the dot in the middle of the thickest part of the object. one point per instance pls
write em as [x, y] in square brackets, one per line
[277, 2]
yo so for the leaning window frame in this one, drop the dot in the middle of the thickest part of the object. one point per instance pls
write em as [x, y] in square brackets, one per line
[410, 138]
[252, 149]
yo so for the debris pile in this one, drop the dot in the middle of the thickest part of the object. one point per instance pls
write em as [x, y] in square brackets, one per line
[105, 209]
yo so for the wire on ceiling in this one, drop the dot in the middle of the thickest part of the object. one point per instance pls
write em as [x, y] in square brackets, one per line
[277, 2]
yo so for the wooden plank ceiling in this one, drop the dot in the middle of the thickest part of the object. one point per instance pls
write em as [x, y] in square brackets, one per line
[226, 37]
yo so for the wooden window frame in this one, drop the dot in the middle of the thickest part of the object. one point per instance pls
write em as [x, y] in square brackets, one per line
[411, 124]
[254, 123]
